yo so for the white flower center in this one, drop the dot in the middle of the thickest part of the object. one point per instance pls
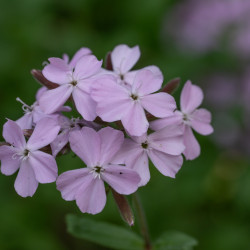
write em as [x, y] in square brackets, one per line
[97, 171]
[21, 155]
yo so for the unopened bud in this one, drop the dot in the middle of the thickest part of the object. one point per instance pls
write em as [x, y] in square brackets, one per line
[38, 75]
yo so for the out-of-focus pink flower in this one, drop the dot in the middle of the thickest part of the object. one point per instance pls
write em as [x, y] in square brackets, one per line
[34, 165]
[163, 148]
[123, 59]
[190, 117]
[75, 81]
[86, 185]
[114, 102]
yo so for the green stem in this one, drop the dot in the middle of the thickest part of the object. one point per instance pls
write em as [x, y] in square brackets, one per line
[142, 221]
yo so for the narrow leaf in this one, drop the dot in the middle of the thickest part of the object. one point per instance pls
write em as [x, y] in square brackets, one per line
[105, 234]
[171, 86]
[174, 240]
[124, 207]
[38, 75]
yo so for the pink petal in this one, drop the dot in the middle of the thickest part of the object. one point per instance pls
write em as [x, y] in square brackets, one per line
[61, 140]
[91, 197]
[9, 163]
[85, 105]
[192, 150]
[57, 71]
[191, 97]
[44, 133]
[86, 66]
[168, 140]
[167, 121]
[146, 82]
[135, 121]
[123, 180]
[200, 121]
[159, 104]
[81, 52]
[13, 134]
[68, 183]
[53, 99]
[44, 166]
[124, 58]
[26, 121]
[26, 183]
[167, 164]
[111, 142]
[86, 144]
[40, 92]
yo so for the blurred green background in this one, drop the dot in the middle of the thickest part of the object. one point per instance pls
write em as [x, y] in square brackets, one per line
[209, 199]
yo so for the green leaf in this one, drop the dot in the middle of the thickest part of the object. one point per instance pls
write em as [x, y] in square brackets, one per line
[104, 234]
[174, 240]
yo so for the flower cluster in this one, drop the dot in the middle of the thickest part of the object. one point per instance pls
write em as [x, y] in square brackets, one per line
[124, 122]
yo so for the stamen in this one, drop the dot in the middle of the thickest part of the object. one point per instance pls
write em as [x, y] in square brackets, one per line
[26, 108]
[74, 83]
[134, 97]
[144, 145]
[97, 171]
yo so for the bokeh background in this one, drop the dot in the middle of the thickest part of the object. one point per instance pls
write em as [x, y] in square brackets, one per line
[206, 41]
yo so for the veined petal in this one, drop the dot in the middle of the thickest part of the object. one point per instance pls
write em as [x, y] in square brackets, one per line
[68, 183]
[146, 82]
[57, 71]
[123, 180]
[44, 166]
[191, 97]
[86, 66]
[200, 122]
[81, 52]
[13, 134]
[192, 150]
[91, 197]
[9, 164]
[167, 164]
[135, 121]
[86, 144]
[44, 133]
[124, 58]
[53, 99]
[111, 142]
[26, 183]
[85, 105]
[159, 104]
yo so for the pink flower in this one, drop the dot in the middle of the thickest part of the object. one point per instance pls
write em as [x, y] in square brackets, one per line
[163, 148]
[86, 185]
[73, 80]
[190, 117]
[123, 59]
[33, 113]
[114, 102]
[34, 165]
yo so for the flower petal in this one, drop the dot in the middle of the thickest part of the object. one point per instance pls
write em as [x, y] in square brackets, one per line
[61, 140]
[135, 121]
[44, 166]
[111, 142]
[192, 150]
[26, 183]
[85, 105]
[200, 121]
[124, 58]
[44, 133]
[159, 104]
[81, 52]
[26, 121]
[9, 164]
[167, 164]
[53, 99]
[191, 97]
[68, 183]
[123, 180]
[57, 71]
[91, 197]
[13, 134]
[86, 144]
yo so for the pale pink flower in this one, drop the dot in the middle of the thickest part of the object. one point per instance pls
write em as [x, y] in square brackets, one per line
[190, 117]
[86, 185]
[123, 59]
[163, 148]
[72, 80]
[34, 165]
[114, 102]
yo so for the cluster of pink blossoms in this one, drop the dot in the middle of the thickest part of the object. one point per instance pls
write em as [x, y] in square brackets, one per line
[123, 124]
